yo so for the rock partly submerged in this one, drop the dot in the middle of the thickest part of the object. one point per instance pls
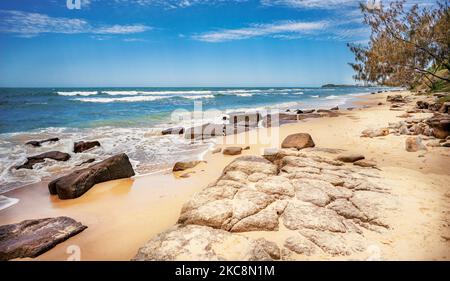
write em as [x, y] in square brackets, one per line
[31, 238]
[54, 155]
[181, 166]
[40, 142]
[82, 146]
[77, 183]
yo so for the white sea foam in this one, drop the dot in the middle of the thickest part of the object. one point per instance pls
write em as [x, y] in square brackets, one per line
[196, 97]
[244, 95]
[78, 93]
[332, 97]
[135, 93]
[314, 96]
[123, 99]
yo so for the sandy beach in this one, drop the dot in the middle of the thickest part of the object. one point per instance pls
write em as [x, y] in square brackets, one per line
[123, 215]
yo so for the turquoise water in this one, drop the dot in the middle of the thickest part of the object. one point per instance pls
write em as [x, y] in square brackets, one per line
[129, 120]
[25, 109]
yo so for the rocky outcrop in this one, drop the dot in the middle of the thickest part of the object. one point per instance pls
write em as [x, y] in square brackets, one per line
[32, 238]
[195, 242]
[173, 131]
[232, 150]
[55, 155]
[440, 124]
[298, 141]
[323, 204]
[77, 183]
[181, 166]
[82, 146]
[40, 142]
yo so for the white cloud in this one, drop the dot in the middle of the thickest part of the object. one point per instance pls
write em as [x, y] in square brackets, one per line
[27, 25]
[332, 4]
[259, 30]
[176, 3]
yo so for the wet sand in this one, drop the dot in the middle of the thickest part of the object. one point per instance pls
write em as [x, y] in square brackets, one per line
[123, 215]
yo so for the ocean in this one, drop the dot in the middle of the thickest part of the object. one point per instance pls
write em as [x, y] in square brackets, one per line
[129, 120]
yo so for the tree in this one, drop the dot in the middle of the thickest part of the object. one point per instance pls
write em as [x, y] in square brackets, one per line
[405, 47]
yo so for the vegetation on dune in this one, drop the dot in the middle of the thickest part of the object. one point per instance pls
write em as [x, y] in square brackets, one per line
[407, 48]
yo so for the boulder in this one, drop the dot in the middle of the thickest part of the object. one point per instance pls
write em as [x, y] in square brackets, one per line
[77, 183]
[414, 144]
[173, 131]
[82, 146]
[232, 151]
[350, 157]
[39, 143]
[181, 166]
[298, 141]
[440, 124]
[245, 119]
[55, 155]
[31, 238]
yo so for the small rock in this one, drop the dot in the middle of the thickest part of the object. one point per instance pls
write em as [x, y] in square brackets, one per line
[39, 143]
[365, 163]
[372, 133]
[246, 148]
[232, 151]
[82, 146]
[414, 144]
[335, 108]
[350, 157]
[216, 150]
[298, 141]
[181, 166]
[446, 144]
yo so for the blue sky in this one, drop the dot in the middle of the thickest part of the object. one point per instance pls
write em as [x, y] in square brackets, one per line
[178, 43]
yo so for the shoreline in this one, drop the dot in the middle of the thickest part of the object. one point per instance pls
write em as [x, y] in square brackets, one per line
[134, 210]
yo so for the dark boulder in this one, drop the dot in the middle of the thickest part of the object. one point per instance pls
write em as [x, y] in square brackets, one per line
[181, 166]
[55, 155]
[245, 119]
[335, 108]
[82, 146]
[39, 143]
[31, 238]
[232, 151]
[77, 183]
[173, 131]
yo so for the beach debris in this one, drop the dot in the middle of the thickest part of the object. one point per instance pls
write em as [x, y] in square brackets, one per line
[39, 143]
[440, 124]
[298, 141]
[78, 182]
[372, 133]
[55, 155]
[173, 131]
[413, 144]
[365, 163]
[232, 150]
[322, 203]
[350, 157]
[82, 146]
[6, 202]
[181, 166]
[31, 238]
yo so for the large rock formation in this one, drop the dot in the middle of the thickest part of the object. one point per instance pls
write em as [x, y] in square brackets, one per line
[324, 205]
[31, 238]
[298, 141]
[55, 155]
[440, 124]
[77, 183]
[82, 146]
